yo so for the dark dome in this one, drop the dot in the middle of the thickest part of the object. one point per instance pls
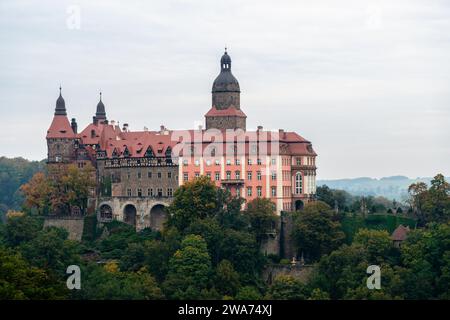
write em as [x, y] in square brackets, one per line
[100, 113]
[60, 105]
[225, 81]
[100, 107]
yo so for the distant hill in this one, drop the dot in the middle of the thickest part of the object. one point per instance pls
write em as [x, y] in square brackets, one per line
[394, 187]
[13, 173]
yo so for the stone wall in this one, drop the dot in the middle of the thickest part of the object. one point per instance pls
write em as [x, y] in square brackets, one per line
[297, 271]
[73, 225]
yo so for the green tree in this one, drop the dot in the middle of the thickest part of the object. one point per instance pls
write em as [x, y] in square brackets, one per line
[21, 229]
[377, 243]
[189, 269]
[194, 200]
[316, 231]
[262, 217]
[19, 280]
[287, 287]
[248, 293]
[226, 279]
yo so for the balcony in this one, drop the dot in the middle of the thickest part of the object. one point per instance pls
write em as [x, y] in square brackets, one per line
[232, 181]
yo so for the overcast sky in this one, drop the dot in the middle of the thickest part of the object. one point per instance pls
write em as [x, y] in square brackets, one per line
[368, 82]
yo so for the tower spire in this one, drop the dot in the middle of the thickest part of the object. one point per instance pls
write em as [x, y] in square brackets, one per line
[60, 109]
[100, 114]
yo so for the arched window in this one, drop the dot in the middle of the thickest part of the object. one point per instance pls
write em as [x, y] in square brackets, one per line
[298, 183]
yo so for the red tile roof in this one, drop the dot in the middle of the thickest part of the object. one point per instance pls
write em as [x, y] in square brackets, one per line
[231, 111]
[400, 234]
[60, 128]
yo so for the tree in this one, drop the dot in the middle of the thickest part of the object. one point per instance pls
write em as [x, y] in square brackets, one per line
[189, 269]
[22, 229]
[315, 230]
[38, 193]
[63, 187]
[287, 287]
[19, 280]
[417, 196]
[377, 243]
[226, 279]
[50, 250]
[196, 199]
[248, 293]
[111, 284]
[262, 217]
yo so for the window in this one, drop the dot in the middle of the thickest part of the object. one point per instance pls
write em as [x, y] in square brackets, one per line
[258, 175]
[238, 174]
[128, 175]
[249, 175]
[274, 191]
[159, 175]
[249, 191]
[274, 175]
[185, 176]
[259, 191]
[274, 161]
[150, 192]
[217, 162]
[237, 162]
[298, 161]
[129, 192]
[249, 161]
[139, 192]
[208, 174]
[149, 174]
[160, 193]
[228, 162]
[197, 163]
[217, 176]
[228, 175]
[169, 192]
[185, 162]
[139, 175]
[298, 183]
[197, 174]
[259, 161]
[208, 163]
[169, 175]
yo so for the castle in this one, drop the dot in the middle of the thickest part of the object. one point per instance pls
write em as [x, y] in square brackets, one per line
[137, 172]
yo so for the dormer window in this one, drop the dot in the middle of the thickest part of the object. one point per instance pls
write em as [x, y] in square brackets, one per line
[126, 152]
[92, 133]
[149, 152]
[169, 152]
[115, 154]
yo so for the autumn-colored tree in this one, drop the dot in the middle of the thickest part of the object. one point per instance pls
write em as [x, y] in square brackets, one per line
[63, 187]
[38, 192]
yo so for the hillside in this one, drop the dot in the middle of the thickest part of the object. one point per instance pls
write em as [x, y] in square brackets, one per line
[394, 187]
[13, 173]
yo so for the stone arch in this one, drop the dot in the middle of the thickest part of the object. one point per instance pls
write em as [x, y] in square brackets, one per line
[129, 214]
[158, 216]
[105, 212]
[299, 205]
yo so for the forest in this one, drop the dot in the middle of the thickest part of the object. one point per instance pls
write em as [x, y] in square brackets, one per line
[211, 249]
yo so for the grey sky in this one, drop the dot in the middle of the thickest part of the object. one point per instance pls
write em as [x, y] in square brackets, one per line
[368, 82]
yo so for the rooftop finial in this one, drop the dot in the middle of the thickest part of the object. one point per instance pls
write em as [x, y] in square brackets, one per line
[100, 95]
[60, 89]
[225, 48]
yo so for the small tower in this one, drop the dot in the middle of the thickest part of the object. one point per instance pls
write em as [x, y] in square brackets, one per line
[60, 136]
[226, 110]
[100, 114]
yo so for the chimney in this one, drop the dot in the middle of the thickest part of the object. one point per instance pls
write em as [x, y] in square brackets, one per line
[113, 123]
[162, 128]
[125, 127]
[74, 126]
[145, 129]
[282, 134]
[94, 120]
[260, 128]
